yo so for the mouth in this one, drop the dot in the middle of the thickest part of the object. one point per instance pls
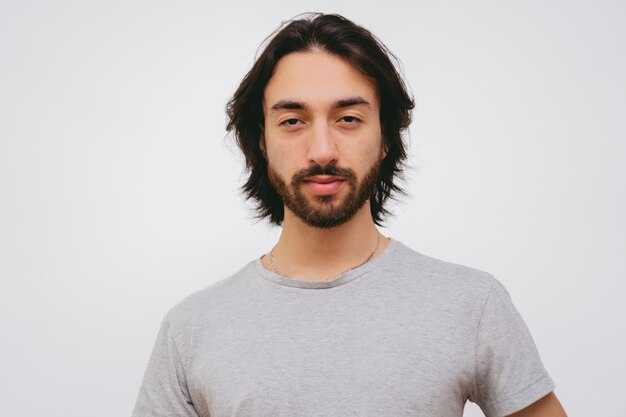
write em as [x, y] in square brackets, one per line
[324, 184]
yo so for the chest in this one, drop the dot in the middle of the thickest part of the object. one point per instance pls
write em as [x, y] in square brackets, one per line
[305, 360]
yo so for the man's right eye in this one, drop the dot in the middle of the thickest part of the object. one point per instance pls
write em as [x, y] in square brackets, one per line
[290, 122]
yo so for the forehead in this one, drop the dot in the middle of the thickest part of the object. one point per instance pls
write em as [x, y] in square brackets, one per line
[317, 78]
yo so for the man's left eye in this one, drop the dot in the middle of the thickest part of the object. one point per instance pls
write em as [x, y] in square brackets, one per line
[350, 119]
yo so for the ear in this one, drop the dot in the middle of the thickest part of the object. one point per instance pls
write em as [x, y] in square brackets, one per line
[383, 148]
[262, 144]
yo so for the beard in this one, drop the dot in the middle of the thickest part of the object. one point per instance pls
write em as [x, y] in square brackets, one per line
[325, 212]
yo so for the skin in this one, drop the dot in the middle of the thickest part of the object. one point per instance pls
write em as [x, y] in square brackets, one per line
[308, 123]
[548, 406]
[322, 131]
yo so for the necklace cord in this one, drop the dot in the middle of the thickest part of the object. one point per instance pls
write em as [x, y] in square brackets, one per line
[270, 258]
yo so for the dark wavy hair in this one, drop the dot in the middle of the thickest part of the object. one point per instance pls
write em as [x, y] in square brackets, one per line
[339, 36]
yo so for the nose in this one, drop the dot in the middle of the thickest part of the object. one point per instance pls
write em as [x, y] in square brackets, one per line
[322, 147]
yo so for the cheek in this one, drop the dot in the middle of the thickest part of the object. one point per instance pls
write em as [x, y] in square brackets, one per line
[361, 159]
[282, 160]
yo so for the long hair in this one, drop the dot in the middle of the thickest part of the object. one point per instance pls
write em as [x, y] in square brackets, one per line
[339, 36]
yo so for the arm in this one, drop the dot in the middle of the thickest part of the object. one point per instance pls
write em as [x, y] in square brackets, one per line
[509, 375]
[163, 391]
[548, 406]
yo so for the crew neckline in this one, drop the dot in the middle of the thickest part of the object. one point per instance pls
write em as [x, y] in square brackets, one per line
[342, 279]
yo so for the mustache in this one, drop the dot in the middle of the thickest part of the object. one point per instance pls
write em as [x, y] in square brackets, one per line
[300, 176]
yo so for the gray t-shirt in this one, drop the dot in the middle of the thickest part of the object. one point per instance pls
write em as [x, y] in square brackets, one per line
[404, 335]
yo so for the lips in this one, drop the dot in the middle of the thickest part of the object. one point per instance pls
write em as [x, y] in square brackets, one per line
[324, 179]
[324, 184]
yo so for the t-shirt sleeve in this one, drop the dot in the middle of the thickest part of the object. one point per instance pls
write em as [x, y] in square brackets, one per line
[509, 374]
[163, 391]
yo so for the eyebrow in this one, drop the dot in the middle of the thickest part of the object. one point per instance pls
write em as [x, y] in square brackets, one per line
[352, 101]
[296, 105]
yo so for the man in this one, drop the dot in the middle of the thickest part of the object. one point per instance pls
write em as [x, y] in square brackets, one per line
[338, 320]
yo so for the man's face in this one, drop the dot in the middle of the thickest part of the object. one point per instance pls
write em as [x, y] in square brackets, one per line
[322, 137]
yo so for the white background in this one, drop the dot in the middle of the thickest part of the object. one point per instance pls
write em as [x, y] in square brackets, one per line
[119, 190]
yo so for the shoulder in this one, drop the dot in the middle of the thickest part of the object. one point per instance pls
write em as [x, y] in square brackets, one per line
[205, 303]
[442, 277]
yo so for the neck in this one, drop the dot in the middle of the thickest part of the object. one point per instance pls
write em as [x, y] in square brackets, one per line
[314, 254]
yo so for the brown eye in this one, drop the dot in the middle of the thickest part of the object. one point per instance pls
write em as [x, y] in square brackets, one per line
[290, 122]
[350, 119]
